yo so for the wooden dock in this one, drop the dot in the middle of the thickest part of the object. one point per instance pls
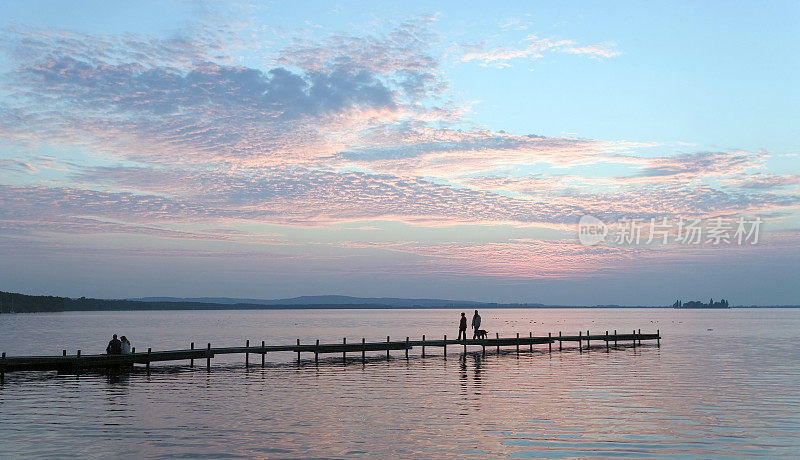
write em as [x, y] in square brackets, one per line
[65, 362]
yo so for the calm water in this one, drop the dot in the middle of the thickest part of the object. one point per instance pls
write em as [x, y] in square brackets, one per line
[723, 384]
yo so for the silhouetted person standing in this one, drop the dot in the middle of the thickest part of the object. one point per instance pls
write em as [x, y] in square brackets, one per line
[462, 327]
[476, 324]
[114, 346]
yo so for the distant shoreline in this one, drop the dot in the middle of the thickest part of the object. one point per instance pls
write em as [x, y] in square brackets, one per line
[22, 303]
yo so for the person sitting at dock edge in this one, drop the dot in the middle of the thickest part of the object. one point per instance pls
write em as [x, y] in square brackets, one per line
[114, 346]
[125, 348]
[462, 327]
[476, 324]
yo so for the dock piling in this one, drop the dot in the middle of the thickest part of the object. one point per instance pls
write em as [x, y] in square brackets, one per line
[517, 343]
[298, 351]
[580, 341]
[208, 357]
[615, 338]
[559, 340]
[316, 352]
[445, 346]
[363, 350]
[634, 338]
[640, 337]
[79, 353]
[63, 352]
[387, 349]
[658, 339]
[587, 339]
[247, 354]
[423, 345]
[344, 353]
[263, 352]
[407, 347]
[497, 336]
[3, 367]
[133, 350]
[550, 344]
[606, 341]
[530, 335]
[149, 351]
[191, 361]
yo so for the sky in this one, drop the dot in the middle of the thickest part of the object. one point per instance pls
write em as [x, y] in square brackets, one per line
[458, 150]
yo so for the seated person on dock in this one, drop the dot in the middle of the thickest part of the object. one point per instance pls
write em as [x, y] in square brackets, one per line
[114, 346]
[125, 345]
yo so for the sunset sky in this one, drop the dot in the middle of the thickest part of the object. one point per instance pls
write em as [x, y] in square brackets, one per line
[423, 149]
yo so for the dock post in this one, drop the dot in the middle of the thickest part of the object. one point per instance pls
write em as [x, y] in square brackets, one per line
[63, 352]
[634, 338]
[133, 350]
[658, 338]
[148, 358]
[208, 356]
[640, 337]
[606, 341]
[387, 348]
[79, 354]
[517, 343]
[263, 353]
[587, 339]
[530, 335]
[559, 340]
[191, 361]
[298, 351]
[247, 354]
[3, 367]
[580, 342]
[550, 344]
[344, 351]
[407, 347]
[363, 350]
[445, 346]
[497, 337]
[316, 353]
[615, 338]
[423, 345]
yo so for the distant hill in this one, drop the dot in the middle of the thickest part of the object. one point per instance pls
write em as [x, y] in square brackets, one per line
[325, 300]
[21, 303]
[11, 302]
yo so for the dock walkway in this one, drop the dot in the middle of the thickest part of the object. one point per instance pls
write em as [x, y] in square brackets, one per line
[66, 362]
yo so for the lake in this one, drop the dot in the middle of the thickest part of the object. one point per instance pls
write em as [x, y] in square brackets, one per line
[723, 384]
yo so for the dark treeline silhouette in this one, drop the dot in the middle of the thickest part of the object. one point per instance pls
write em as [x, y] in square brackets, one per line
[22, 303]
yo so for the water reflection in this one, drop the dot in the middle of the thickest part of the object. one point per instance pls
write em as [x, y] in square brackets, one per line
[693, 397]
